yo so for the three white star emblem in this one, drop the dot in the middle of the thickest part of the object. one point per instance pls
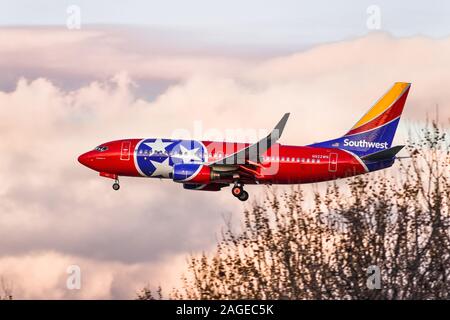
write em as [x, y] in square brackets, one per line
[158, 145]
[188, 155]
[162, 169]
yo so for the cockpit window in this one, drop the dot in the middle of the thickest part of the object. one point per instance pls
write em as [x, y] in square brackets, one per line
[101, 148]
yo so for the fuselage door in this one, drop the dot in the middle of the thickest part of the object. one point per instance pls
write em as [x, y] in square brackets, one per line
[333, 162]
[125, 150]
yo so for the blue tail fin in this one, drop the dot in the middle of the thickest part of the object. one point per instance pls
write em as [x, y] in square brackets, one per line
[376, 129]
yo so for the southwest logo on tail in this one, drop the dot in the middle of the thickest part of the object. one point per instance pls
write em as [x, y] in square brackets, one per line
[365, 144]
[213, 165]
[376, 129]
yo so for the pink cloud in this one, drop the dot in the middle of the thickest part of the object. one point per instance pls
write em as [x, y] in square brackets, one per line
[44, 274]
[103, 52]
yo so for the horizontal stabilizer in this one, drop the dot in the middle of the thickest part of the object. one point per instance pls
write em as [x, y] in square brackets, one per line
[383, 155]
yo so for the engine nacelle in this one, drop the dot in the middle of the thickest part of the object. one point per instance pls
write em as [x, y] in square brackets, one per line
[204, 187]
[192, 173]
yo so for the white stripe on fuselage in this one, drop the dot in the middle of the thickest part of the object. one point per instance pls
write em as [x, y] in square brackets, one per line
[135, 158]
[358, 159]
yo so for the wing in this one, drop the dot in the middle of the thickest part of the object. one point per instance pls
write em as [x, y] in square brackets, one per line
[252, 153]
[243, 165]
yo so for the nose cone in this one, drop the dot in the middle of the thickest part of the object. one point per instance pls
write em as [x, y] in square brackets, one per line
[84, 159]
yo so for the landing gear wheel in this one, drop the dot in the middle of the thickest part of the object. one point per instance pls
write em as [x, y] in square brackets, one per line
[116, 186]
[237, 191]
[243, 196]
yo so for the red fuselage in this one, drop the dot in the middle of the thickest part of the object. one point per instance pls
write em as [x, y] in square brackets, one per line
[279, 165]
[210, 165]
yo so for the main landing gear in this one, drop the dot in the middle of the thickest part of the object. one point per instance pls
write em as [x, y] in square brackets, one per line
[116, 185]
[239, 192]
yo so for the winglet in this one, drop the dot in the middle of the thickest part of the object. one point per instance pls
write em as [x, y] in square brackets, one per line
[252, 153]
[278, 130]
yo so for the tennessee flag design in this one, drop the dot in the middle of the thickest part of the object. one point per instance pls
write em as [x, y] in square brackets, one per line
[213, 165]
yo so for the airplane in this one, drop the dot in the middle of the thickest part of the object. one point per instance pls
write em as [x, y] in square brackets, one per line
[213, 165]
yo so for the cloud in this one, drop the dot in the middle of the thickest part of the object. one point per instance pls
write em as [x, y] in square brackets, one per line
[101, 53]
[44, 274]
[54, 211]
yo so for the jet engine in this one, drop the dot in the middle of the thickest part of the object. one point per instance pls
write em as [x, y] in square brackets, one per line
[198, 174]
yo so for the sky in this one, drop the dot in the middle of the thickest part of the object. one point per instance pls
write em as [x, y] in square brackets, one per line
[254, 22]
[152, 69]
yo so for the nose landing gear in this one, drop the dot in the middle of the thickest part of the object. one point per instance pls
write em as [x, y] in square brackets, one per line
[239, 192]
[116, 185]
